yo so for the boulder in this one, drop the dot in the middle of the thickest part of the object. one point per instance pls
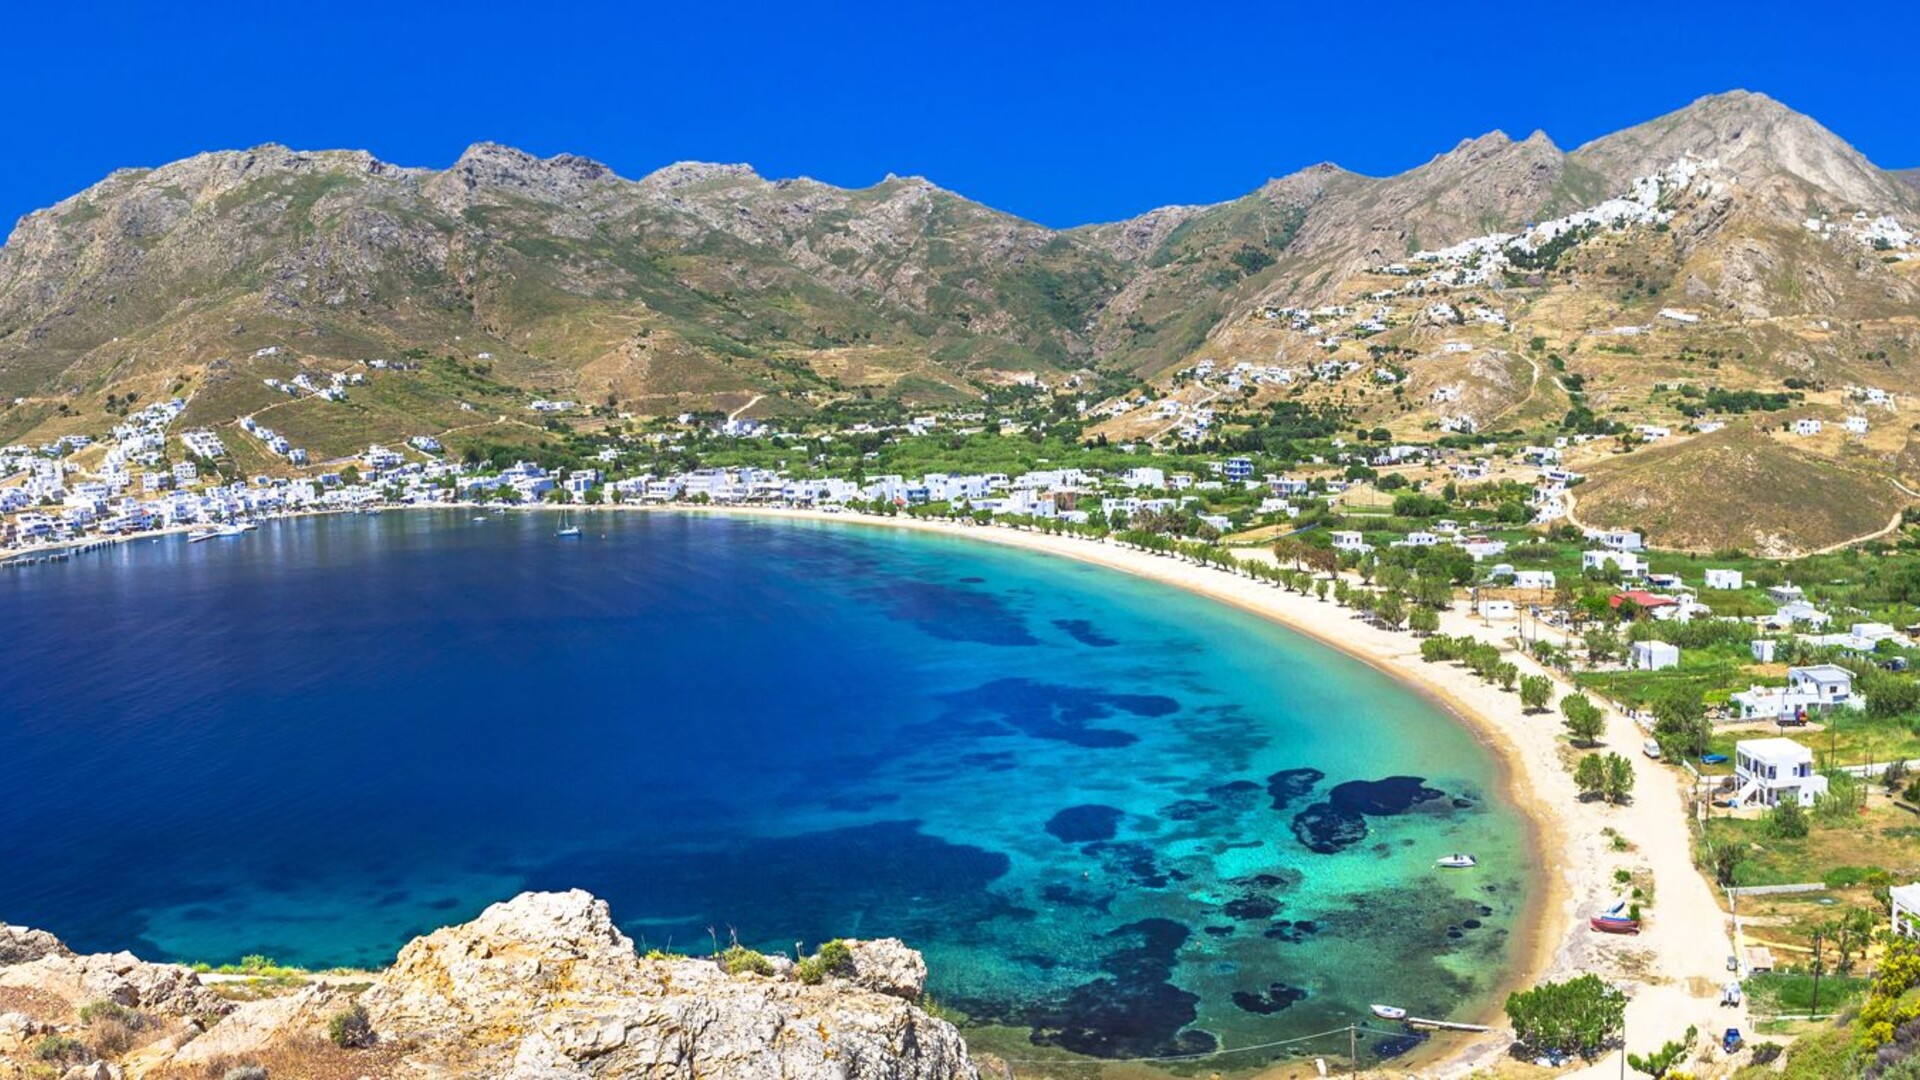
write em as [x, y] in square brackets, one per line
[19, 945]
[887, 966]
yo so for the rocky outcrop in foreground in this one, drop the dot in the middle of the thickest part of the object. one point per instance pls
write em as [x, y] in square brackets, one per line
[541, 987]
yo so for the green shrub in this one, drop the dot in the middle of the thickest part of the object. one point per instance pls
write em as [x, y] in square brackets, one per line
[738, 960]
[350, 1028]
[832, 958]
[59, 1049]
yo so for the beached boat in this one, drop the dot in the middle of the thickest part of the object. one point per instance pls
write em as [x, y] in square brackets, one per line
[1617, 919]
[1457, 861]
[1389, 1012]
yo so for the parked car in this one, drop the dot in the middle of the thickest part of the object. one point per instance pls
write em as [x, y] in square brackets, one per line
[1652, 748]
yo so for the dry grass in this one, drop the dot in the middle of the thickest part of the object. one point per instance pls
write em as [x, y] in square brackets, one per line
[35, 1004]
[1736, 488]
[299, 1059]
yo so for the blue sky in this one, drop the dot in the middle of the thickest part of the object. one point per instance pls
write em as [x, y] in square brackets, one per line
[1062, 113]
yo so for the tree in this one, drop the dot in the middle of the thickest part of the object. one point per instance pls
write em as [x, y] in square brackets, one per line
[1391, 608]
[1581, 1015]
[1602, 645]
[1423, 620]
[1535, 692]
[1619, 783]
[1585, 722]
[1787, 820]
[1590, 776]
[1680, 715]
[1659, 1063]
[1506, 673]
[1726, 864]
[1320, 589]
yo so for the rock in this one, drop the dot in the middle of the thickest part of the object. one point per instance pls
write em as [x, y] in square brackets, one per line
[541, 987]
[17, 1032]
[545, 986]
[168, 989]
[19, 945]
[887, 966]
[256, 1025]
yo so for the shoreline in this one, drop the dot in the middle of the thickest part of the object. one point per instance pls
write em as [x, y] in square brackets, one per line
[1534, 949]
[1670, 968]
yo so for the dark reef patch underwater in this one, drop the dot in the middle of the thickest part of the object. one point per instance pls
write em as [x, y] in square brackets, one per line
[1119, 820]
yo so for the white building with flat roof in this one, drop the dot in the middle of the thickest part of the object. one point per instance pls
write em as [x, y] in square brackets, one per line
[1768, 770]
[1906, 909]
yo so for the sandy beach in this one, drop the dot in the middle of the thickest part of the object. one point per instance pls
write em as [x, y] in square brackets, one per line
[1672, 971]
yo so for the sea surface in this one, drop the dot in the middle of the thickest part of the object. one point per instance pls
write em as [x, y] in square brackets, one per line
[1121, 821]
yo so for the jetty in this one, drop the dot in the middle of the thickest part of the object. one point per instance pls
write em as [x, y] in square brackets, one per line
[1444, 1025]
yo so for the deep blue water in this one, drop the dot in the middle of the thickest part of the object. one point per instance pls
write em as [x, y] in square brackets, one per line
[1118, 819]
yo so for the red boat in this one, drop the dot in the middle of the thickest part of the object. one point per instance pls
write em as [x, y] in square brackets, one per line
[1618, 919]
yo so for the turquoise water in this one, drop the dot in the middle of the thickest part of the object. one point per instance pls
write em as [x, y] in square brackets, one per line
[1122, 819]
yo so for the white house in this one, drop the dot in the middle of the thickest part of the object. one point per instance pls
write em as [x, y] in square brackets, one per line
[1906, 909]
[1630, 565]
[1769, 770]
[1725, 579]
[1857, 425]
[1534, 579]
[1806, 426]
[1830, 685]
[1350, 541]
[1653, 656]
[1618, 539]
[1496, 609]
[1764, 648]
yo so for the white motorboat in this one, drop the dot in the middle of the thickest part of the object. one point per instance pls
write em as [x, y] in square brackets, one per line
[1389, 1012]
[1457, 861]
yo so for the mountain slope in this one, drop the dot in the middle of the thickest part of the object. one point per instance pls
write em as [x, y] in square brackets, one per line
[505, 277]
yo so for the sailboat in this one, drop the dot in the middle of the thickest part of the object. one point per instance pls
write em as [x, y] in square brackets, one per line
[567, 529]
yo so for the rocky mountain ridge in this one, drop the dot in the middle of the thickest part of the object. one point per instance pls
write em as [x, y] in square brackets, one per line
[541, 987]
[707, 286]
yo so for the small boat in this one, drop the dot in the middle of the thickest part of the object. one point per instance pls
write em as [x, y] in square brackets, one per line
[1389, 1012]
[568, 530]
[480, 521]
[231, 530]
[1617, 919]
[1457, 861]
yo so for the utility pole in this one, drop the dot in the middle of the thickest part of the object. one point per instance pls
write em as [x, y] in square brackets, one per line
[1815, 1010]
[1623, 1044]
[1353, 1048]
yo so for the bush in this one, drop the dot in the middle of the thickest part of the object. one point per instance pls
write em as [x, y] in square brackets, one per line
[832, 958]
[1787, 820]
[350, 1028]
[739, 960]
[1581, 1015]
[59, 1049]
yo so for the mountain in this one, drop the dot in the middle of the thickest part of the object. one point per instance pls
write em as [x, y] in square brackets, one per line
[703, 286]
